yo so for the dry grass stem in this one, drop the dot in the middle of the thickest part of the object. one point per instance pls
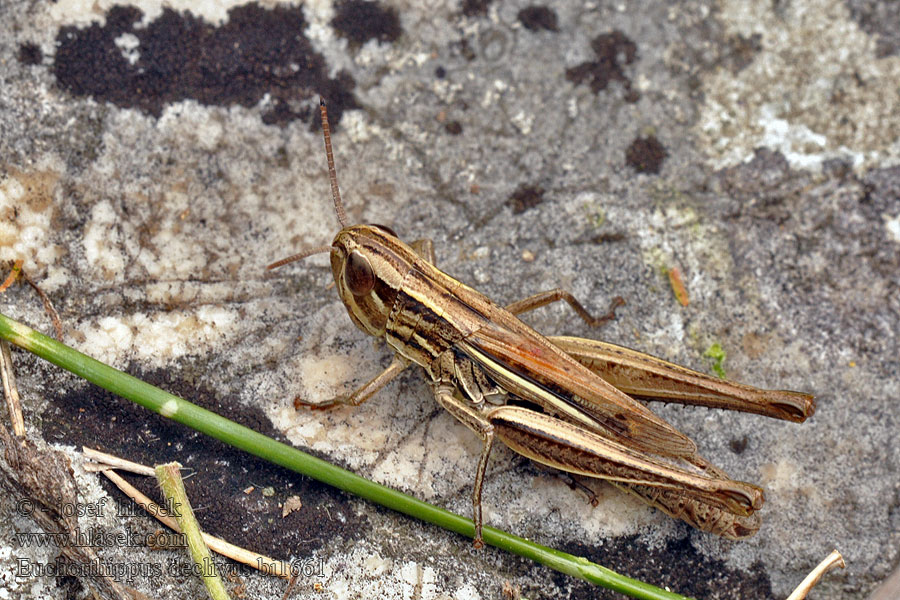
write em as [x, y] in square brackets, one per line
[10, 391]
[832, 561]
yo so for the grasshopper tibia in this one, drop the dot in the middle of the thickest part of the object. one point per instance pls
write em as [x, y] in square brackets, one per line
[544, 298]
[474, 420]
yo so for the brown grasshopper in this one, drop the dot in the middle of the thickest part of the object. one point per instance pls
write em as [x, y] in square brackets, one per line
[565, 402]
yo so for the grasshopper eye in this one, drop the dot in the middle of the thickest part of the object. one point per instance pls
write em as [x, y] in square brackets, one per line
[358, 274]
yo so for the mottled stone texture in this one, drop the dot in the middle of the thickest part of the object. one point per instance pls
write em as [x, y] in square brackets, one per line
[153, 163]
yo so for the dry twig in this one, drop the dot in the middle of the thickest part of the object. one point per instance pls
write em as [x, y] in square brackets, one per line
[832, 561]
[268, 565]
[10, 391]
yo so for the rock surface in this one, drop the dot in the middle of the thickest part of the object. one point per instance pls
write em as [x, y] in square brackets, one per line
[154, 160]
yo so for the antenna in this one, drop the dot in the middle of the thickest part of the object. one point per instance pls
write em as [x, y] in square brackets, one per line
[335, 195]
[299, 256]
[332, 174]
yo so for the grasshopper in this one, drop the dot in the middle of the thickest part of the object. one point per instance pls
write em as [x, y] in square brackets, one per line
[565, 402]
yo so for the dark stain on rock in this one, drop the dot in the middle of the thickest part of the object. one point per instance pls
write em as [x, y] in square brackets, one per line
[646, 155]
[179, 56]
[695, 575]
[879, 20]
[463, 48]
[613, 51]
[29, 54]
[440, 72]
[453, 128]
[741, 52]
[359, 21]
[475, 8]
[69, 584]
[524, 198]
[94, 417]
[738, 445]
[537, 17]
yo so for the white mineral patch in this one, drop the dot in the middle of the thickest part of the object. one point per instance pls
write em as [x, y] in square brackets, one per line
[26, 212]
[176, 256]
[376, 566]
[409, 467]
[102, 242]
[467, 592]
[779, 477]
[358, 128]
[128, 43]
[799, 145]
[194, 125]
[381, 577]
[158, 338]
[523, 122]
[323, 377]
[893, 227]
[413, 575]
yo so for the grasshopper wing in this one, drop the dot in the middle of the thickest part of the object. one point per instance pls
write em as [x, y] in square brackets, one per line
[529, 366]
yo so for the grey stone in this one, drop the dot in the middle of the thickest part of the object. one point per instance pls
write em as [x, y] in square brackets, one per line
[148, 214]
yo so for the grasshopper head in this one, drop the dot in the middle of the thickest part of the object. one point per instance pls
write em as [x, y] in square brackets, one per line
[369, 263]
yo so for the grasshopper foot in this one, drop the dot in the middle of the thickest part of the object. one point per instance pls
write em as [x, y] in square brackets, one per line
[610, 315]
[576, 484]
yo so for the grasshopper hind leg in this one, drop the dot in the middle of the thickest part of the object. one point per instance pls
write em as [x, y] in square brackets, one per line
[692, 511]
[701, 515]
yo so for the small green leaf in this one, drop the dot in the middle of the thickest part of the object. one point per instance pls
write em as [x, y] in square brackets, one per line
[717, 354]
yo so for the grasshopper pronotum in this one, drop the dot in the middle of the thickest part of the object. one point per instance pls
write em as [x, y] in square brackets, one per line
[562, 401]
